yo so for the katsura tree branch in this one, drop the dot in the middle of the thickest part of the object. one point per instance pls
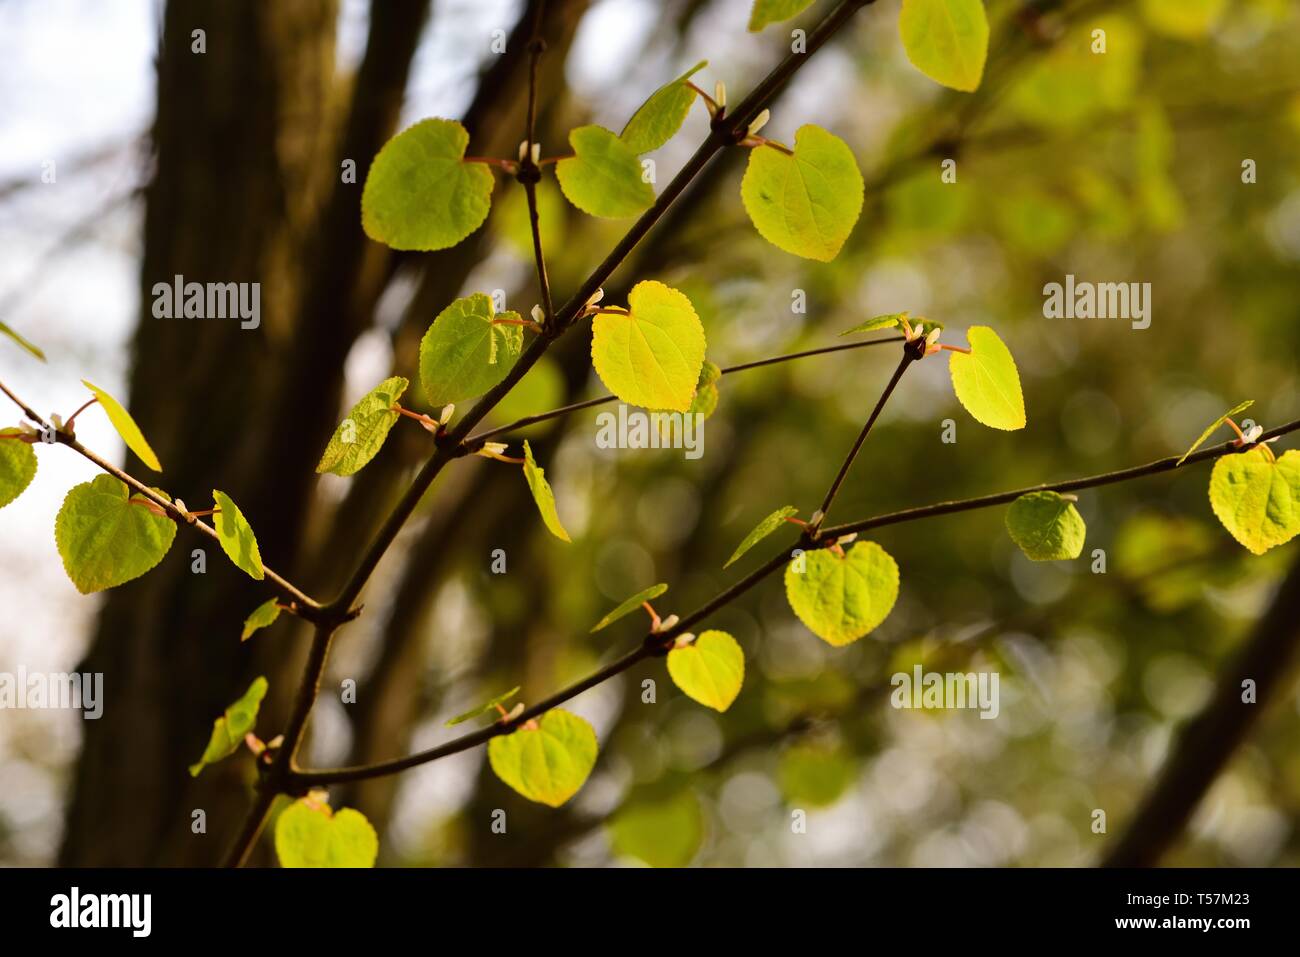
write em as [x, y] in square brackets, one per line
[474, 442]
[530, 173]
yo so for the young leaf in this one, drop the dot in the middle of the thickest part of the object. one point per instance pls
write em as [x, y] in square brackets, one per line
[543, 496]
[1046, 526]
[420, 193]
[363, 432]
[1257, 497]
[659, 118]
[808, 202]
[763, 529]
[310, 834]
[483, 708]
[986, 381]
[1235, 410]
[236, 536]
[24, 343]
[126, 427]
[630, 605]
[662, 833]
[548, 761]
[105, 538]
[774, 11]
[710, 670]
[228, 730]
[947, 40]
[706, 391]
[879, 322]
[603, 177]
[263, 616]
[652, 355]
[842, 599]
[17, 466]
[464, 353]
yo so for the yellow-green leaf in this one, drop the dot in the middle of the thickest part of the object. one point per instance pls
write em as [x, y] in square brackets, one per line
[483, 708]
[228, 730]
[879, 322]
[543, 496]
[310, 834]
[763, 529]
[236, 536]
[17, 466]
[1257, 497]
[630, 605]
[814, 775]
[1184, 19]
[1046, 526]
[806, 202]
[986, 381]
[364, 430]
[603, 177]
[106, 538]
[465, 352]
[774, 11]
[420, 193]
[663, 832]
[660, 117]
[706, 391]
[947, 40]
[548, 760]
[126, 427]
[842, 599]
[710, 670]
[1209, 429]
[263, 616]
[652, 355]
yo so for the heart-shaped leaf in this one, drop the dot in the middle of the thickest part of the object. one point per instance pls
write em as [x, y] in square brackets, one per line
[17, 466]
[660, 117]
[420, 193]
[126, 427]
[263, 616]
[710, 670]
[652, 355]
[630, 605]
[603, 177]
[842, 599]
[228, 730]
[774, 11]
[947, 40]
[1257, 497]
[986, 381]
[106, 538]
[763, 529]
[483, 708]
[662, 832]
[806, 202]
[1046, 526]
[309, 834]
[535, 476]
[363, 432]
[548, 760]
[236, 536]
[465, 353]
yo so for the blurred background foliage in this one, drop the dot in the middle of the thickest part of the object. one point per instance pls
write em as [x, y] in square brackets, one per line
[1124, 166]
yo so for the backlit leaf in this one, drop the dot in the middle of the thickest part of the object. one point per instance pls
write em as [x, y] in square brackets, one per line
[483, 708]
[263, 616]
[630, 605]
[603, 177]
[763, 529]
[947, 40]
[126, 427]
[652, 355]
[464, 353]
[659, 118]
[549, 761]
[310, 834]
[236, 536]
[228, 730]
[879, 322]
[543, 496]
[706, 390]
[363, 432]
[774, 11]
[1210, 429]
[1257, 497]
[842, 599]
[663, 832]
[710, 670]
[17, 466]
[106, 538]
[986, 381]
[1046, 526]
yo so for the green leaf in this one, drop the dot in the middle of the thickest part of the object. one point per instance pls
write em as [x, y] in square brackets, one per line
[17, 466]
[808, 202]
[1046, 526]
[603, 177]
[626, 608]
[774, 11]
[842, 599]
[659, 118]
[814, 775]
[879, 322]
[363, 432]
[126, 427]
[105, 538]
[1070, 85]
[228, 730]
[986, 381]
[763, 529]
[706, 391]
[546, 761]
[24, 343]
[710, 670]
[652, 355]
[514, 224]
[1209, 430]
[1257, 497]
[236, 536]
[420, 193]
[947, 40]
[309, 834]
[483, 708]
[263, 616]
[666, 832]
[464, 353]
[543, 496]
